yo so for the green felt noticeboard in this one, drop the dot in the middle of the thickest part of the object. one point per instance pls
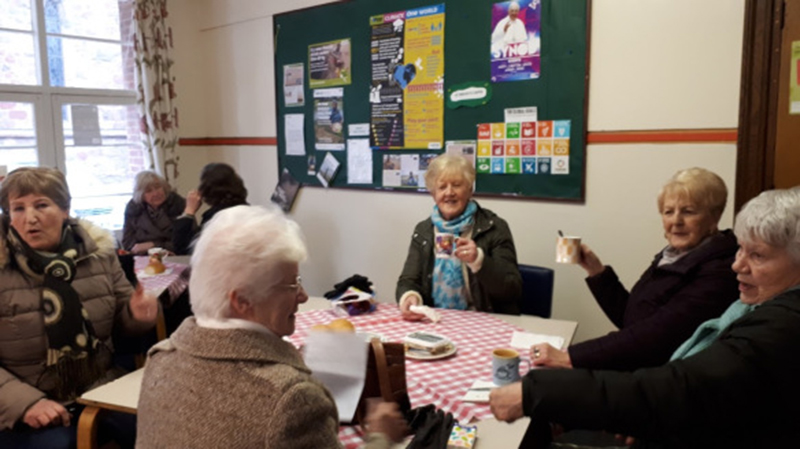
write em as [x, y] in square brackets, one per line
[559, 94]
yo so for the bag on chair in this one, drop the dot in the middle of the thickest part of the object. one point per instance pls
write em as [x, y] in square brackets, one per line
[386, 378]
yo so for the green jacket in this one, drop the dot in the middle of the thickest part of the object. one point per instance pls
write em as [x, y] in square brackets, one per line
[496, 287]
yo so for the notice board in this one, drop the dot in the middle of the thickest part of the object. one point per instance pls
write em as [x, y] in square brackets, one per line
[345, 29]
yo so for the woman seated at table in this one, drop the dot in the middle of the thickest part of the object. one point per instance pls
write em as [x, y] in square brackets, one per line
[62, 292]
[689, 281]
[482, 273]
[220, 187]
[226, 378]
[150, 214]
[733, 384]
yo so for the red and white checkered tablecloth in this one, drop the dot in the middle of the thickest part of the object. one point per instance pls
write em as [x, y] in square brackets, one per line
[439, 382]
[175, 282]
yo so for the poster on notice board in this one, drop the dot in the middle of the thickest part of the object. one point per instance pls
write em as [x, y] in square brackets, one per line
[407, 91]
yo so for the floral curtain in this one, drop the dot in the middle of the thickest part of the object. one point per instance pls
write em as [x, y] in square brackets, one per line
[156, 87]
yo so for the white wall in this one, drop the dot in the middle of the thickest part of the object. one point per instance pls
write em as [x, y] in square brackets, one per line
[654, 65]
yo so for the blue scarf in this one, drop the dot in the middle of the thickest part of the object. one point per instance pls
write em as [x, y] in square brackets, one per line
[448, 277]
[708, 332]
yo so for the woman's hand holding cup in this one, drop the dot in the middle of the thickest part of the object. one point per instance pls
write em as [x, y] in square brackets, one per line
[466, 250]
[590, 262]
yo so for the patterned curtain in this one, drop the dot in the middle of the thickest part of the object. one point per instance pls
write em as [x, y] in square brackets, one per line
[156, 87]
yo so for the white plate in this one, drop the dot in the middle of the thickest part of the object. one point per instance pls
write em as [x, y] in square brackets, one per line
[420, 355]
[368, 336]
[142, 275]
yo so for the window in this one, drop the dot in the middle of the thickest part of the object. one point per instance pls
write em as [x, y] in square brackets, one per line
[67, 98]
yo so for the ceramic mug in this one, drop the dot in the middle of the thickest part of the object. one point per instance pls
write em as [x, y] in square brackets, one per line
[445, 244]
[568, 249]
[505, 366]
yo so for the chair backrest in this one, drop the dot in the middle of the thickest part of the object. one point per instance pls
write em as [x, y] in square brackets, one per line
[537, 290]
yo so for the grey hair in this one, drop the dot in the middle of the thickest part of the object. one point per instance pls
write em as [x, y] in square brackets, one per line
[146, 179]
[700, 186]
[774, 218]
[448, 165]
[241, 249]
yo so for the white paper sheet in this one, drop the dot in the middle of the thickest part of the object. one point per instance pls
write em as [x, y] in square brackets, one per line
[339, 361]
[516, 115]
[330, 165]
[524, 340]
[358, 129]
[479, 391]
[359, 161]
[294, 135]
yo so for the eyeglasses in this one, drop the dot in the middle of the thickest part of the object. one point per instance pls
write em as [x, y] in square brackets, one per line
[297, 286]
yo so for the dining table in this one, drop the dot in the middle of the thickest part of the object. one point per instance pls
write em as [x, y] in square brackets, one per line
[442, 382]
[167, 286]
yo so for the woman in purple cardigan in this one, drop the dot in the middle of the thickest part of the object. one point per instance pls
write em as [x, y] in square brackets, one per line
[689, 282]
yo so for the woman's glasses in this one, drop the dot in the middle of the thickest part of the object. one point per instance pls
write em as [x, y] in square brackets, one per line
[297, 286]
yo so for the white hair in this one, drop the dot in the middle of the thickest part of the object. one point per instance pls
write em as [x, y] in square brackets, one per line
[241, 249]
[774, 218]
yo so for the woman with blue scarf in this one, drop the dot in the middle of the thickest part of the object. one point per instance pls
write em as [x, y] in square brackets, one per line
[479, 271]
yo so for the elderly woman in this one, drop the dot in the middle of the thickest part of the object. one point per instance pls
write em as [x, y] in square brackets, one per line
[734, 384]
[688, 282]
[150, 214]
[480, 273]
[220, 187]
[226, 378]
[62, 292]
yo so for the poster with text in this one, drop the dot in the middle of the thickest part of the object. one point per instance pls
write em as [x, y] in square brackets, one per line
[329, 64]
[407, 90]
[329, 119]
[293, 85]
[516, 40]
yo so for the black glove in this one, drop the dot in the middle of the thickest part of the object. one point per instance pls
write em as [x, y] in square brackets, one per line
[360, 282]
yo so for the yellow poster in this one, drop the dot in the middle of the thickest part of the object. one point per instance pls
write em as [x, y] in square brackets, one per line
[407, 93]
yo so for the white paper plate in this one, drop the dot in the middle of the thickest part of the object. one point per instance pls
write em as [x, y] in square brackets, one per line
[421, 355]
[142, 275]
[368, 336]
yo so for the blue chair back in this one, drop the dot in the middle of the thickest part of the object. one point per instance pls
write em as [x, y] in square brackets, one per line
[537, 290]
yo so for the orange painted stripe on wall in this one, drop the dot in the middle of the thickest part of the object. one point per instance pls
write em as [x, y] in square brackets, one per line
[220, 141]
[599, 137]
[663, 136]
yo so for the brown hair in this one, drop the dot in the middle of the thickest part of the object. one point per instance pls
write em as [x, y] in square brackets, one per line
[36, 180]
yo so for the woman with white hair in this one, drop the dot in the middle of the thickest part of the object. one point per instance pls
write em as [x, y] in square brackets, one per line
[150, 214]
[226, 378]
[733, 384]
[477, 271]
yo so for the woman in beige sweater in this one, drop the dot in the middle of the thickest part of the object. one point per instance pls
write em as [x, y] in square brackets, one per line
[226, 378]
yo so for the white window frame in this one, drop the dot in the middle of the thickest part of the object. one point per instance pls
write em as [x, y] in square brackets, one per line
[48, 100]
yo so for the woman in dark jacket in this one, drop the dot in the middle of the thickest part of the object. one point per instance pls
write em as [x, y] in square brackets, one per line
[220, 187]
[739, 390]
[689, 281]
[476, 271]
[150, 214]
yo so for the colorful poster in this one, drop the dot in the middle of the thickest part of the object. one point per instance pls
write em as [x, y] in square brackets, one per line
[516, 40]
[293, 85]
[406, 170]
[527, 148]
[329, 64]
[329, 119]
[794, 80]
[407, 92]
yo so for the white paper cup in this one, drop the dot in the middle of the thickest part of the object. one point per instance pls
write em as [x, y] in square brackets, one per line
[568, 249]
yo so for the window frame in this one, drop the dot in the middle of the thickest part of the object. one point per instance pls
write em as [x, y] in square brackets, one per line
[48, 100]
